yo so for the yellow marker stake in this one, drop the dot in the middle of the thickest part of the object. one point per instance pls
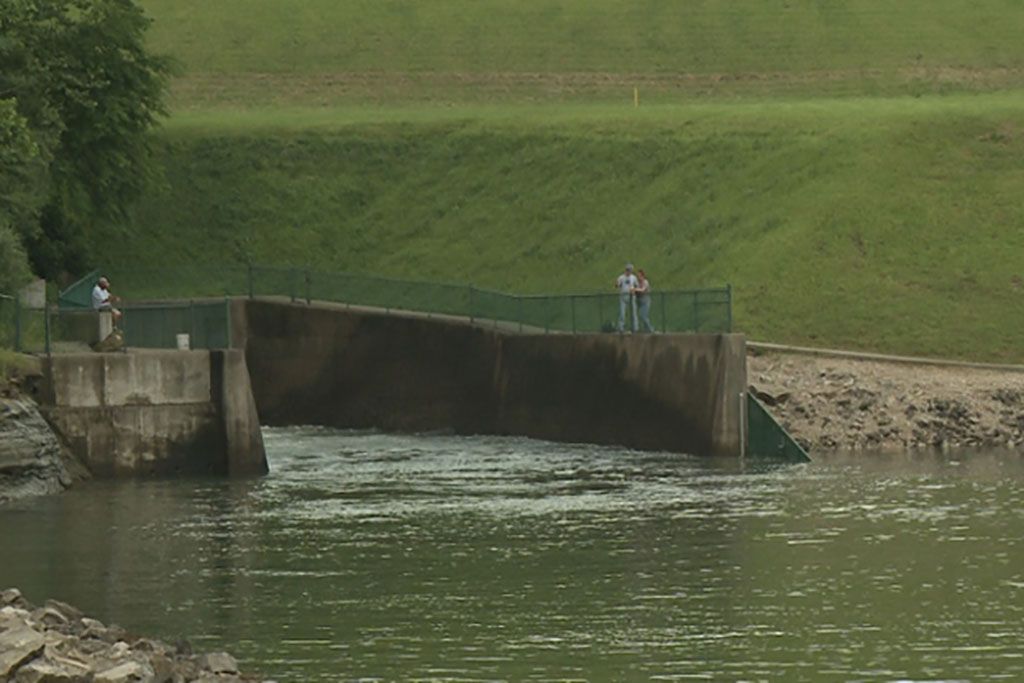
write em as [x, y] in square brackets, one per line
[636, 97]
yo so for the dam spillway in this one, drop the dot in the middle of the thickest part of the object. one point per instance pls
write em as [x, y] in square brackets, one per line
[338, 366]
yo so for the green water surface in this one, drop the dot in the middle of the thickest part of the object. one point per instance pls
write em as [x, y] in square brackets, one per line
[380, 557]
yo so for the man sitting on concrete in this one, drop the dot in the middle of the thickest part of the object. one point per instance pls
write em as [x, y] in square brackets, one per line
[103, 300]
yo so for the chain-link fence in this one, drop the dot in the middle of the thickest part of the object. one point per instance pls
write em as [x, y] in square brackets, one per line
[202, 324]
[163, 304]
[8, 322]
[691, 310]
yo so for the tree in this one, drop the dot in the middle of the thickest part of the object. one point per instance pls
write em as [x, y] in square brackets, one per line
[89, 91]
[20, 169]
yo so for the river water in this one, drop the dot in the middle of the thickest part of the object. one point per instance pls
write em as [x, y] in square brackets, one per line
[382, 557]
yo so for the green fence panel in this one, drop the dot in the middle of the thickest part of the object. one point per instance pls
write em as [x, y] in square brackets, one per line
[211, 326]
[157, 326]
[28, 329]
[79, 294]
[706, 310]
[715, 310]
[285, 282]
[497, 309]
[766, 438]
[7, 322]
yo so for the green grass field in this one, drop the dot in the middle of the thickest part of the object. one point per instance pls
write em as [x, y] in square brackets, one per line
[326, 51]
[853, 168]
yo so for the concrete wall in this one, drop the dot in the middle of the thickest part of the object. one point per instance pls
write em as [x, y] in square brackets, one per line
[155, 412]
[332, 366]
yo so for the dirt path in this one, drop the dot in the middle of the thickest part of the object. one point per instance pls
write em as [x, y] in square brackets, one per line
[849, 404]
[323, 88]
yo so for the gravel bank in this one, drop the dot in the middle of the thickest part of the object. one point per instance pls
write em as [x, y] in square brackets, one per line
[56, 643]
[849, 404]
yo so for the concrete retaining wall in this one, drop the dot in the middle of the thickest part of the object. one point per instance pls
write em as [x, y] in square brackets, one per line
[328, 365]
[156, 412]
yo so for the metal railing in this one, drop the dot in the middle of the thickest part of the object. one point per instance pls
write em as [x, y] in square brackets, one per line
[54, 329]
[689, 310]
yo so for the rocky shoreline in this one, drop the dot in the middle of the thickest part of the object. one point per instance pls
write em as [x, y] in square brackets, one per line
[850, 404]
[33, 461]
[56, 643]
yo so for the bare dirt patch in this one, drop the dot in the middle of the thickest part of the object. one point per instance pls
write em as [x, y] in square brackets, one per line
[329, 87]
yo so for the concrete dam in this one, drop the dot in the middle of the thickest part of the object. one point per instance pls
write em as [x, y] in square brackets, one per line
[328, 365]
[159, 412]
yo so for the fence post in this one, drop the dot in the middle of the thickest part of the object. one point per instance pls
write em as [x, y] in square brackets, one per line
[728, 292]
[600, 312]
[309, 288]
[519, 312]
[250, 280]
[191, 324]
[696, 314]
[572, 306]
[46, 325]
[547, 319]
[17, 323]
[664, 317]
[227, 321]
[291, 283]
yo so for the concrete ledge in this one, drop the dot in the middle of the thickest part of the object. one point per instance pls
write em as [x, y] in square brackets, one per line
[91, 380]
[156, 412]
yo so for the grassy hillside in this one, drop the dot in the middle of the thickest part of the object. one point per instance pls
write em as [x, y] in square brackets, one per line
[327, 51]
[883, 224]
[853, 167]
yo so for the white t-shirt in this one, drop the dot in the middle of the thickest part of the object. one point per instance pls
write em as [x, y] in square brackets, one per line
[100, 297]
[626, 283]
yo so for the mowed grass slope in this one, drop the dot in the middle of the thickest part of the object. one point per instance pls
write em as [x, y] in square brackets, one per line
[853, 167]
[881, 224]
[329, 51]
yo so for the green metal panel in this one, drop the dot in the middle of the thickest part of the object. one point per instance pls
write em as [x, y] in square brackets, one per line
[766, 438]
[207, 323]
[79, 295]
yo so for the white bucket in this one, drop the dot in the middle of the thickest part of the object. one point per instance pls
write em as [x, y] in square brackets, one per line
[183, 342]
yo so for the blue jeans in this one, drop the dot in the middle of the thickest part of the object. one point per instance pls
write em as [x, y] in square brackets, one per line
[624, 301]
[645, 313]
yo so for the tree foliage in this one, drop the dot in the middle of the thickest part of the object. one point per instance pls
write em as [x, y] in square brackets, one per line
[19, 170]
[88, 93]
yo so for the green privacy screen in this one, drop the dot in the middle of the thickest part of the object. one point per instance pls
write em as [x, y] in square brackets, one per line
[766, 438]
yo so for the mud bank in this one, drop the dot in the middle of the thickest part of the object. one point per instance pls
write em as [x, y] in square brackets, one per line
[850, 404]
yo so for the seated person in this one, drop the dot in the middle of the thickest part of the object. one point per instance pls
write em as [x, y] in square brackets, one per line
[102, 299]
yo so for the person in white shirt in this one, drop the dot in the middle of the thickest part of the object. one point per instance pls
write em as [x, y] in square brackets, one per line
[103, 300]
[626, 283]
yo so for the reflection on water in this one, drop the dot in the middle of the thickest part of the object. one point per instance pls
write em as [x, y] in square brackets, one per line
[430, 557]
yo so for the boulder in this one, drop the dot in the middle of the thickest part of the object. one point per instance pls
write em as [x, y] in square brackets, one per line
[52, 670]
[67, 611]
[219, 663]
[18, 645]
[12, 597]
[125, 672]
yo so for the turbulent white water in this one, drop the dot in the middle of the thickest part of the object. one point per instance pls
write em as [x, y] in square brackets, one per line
[369, 556]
